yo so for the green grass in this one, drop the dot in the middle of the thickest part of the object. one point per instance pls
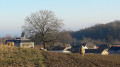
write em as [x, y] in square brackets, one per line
[23, 57]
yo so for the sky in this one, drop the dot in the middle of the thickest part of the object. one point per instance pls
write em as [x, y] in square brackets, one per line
[76, 14]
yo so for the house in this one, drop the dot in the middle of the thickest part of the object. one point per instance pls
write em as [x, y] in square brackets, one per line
[103, 50]
[58, 48]
[90, 45]
[61, 49]
[87, 45]
[76, 48]
[22, 42]
[115, 48]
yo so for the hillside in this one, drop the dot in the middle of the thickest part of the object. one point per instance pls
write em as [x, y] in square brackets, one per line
[100, 31]
[19, 57]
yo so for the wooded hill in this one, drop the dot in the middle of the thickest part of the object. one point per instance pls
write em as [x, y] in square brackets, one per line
[109, 31]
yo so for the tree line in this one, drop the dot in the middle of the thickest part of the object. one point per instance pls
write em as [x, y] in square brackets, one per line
[100, 32]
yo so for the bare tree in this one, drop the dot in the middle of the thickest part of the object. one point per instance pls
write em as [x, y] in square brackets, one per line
[44, 25]
[7, 36]
[65, 37]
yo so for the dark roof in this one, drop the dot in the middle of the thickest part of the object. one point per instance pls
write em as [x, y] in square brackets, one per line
[99, 50]
[93, 51]
[58, 48]
[89, 45]
[17, 41]
[114, 48]
[76, 47]
[103, 46]
[115, 44]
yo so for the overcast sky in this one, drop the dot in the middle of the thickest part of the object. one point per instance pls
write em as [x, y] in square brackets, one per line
[77, 14]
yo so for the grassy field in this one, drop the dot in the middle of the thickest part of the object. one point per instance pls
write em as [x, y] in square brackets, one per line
[21, 57]
[76, 60]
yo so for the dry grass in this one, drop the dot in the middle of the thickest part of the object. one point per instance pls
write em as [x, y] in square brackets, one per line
[6, 48]
[20, 57]
[53, 59]
[23, 57]
[37, 46]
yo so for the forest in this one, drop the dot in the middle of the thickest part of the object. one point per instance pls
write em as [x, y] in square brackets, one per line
[109, 32]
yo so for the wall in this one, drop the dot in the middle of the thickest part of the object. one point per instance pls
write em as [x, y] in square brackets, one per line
[27, 44]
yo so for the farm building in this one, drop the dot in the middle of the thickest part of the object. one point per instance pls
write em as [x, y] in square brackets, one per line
[61, 48]
[22, 42]
[76, 48]
[115, 48]
[103, 49]
[66, 48]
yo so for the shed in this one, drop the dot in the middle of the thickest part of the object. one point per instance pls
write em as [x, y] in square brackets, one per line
[22, 42]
